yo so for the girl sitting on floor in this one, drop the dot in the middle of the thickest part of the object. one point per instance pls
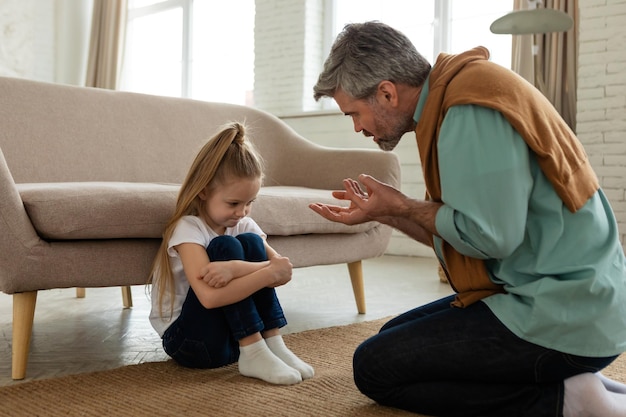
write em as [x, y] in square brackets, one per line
[215, 274]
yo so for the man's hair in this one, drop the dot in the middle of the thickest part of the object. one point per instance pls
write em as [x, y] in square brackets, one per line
[363, 55]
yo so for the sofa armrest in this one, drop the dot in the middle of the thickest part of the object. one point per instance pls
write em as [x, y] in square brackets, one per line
[293, 160]
[327, 167]
[18, 234]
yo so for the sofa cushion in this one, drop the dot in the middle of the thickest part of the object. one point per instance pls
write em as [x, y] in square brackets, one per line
[98, 210]
[278, 210]
[113, 210]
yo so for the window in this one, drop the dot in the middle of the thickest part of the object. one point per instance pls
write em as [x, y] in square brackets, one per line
[205, 49]
[153, 58]
[434, 26]
[185, 48]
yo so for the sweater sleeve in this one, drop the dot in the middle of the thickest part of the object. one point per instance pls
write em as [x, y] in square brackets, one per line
[485, 183]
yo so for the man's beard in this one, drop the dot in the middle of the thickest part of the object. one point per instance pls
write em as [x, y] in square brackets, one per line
[395, 125]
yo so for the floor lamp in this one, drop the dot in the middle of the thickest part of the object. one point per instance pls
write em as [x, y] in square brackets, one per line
[533, 21]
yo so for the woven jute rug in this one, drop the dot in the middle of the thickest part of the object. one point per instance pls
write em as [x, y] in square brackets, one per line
[166, 389]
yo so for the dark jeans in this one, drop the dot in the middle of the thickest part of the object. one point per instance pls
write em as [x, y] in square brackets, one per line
[444, 361]
[208, 338]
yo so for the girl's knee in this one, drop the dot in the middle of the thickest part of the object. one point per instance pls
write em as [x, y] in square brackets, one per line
[253, 247]
[225, 248]
[249, 239]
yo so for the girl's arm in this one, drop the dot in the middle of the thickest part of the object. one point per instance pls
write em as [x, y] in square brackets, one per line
[257, 275]
[271, 253]
[219, 273]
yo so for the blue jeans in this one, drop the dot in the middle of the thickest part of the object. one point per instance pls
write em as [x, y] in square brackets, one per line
[208, 338]
[445, 361]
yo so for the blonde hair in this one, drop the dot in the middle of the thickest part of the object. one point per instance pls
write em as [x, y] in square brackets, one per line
[225, 156]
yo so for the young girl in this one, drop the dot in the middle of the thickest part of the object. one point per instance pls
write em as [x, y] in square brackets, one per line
[213, 280]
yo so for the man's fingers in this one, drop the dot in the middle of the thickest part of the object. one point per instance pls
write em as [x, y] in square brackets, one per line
[368, 181]
[324, 208]
[339, 194]
[329, 212]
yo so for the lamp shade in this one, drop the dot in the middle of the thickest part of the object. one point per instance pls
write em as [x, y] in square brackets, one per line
[532, 21]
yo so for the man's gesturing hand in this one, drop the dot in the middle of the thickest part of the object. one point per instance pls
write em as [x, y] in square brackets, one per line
[375, 204]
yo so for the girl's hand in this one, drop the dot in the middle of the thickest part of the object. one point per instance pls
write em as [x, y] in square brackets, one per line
[281, 269]
[217, 274]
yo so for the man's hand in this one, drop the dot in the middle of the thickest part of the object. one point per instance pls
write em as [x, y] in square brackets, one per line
[375, 204]
[384, 204]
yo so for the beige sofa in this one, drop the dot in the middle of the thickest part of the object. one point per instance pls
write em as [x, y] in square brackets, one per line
[88, 178]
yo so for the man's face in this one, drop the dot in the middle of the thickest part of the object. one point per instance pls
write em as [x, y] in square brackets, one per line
[375, 118]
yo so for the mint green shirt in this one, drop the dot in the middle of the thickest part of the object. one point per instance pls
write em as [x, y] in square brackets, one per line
[564, 273]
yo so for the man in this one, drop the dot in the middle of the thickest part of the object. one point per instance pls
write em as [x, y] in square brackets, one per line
[517, 220]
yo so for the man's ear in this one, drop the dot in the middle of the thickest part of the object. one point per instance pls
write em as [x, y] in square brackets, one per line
[387, 93]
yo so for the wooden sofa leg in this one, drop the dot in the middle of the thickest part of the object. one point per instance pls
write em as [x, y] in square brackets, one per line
[127, 297]
[80, 293]
[356, 276]
[23, 316]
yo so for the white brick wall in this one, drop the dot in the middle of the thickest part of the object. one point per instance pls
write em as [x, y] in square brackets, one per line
[601, 117]
[288, 54]
[32, 30]
[17, 38]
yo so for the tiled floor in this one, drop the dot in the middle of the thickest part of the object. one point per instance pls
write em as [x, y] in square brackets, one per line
[74, 335]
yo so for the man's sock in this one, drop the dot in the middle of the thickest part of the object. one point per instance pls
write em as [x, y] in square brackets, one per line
[586, 396]
[612, 385]
[258, 361]
[278, 347]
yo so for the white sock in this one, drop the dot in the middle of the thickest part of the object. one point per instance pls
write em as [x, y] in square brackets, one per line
[278, 347]
[612, 385]
[586, 396]
[257, 361]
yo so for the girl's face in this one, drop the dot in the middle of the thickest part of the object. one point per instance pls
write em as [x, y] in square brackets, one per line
[228, 203]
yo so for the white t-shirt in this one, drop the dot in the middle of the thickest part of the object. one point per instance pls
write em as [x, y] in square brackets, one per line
[189, 229]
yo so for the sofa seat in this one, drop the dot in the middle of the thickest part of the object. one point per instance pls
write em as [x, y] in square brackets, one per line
[120, 210]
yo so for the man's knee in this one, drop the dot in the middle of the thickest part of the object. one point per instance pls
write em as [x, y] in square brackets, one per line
[366, 376]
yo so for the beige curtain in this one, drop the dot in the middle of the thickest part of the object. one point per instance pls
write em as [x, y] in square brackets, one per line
[108, 28]
[553, 70]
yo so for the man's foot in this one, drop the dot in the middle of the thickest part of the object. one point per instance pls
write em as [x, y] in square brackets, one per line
[612, 385]
[586, 396]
